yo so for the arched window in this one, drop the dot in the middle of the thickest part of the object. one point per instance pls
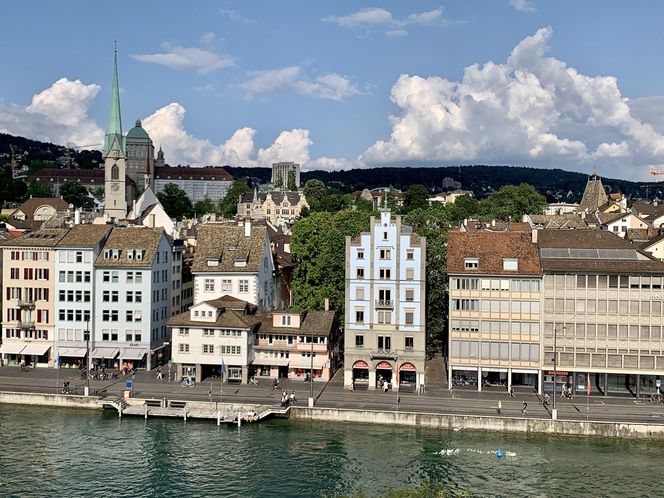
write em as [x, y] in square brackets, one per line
[115, 172]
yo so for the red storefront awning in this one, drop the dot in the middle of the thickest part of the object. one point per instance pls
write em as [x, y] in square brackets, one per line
[360, 364]
[409, 367]
[383, 365]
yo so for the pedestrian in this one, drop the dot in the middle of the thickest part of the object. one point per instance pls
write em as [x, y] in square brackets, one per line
[160, 375]
[352, 386]
[386, 386]
[210, 395]
[512, 395]
[500, 406]
[524, 409]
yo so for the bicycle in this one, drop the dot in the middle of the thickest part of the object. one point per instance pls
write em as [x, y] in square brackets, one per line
[187, 382]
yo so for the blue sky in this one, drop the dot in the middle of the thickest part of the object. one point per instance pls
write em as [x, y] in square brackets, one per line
[348, 84]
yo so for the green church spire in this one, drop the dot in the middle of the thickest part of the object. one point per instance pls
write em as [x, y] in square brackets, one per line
[114, 140]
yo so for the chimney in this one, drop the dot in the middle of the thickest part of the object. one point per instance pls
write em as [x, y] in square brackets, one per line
[247, 227]
[534, 235]
[327, 304]
[77, 217]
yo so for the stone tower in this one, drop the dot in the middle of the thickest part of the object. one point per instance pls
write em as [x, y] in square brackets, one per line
[114, 154]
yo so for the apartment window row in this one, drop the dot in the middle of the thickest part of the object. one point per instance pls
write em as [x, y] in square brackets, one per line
[603, 331]
[504, 328]
[109, 335]
[74, 276]
[230, 349]
[209, 285]
[466, 304]
[29, 273]
[30, 294]
[134, 277]
[496, 350]
[29, 255]
[27, 334]
[73, 315]
[111, 276]
[135, 336]
[70, 334]
[514, 306]
[74, 296]
[75, 256]
[601, 282]
[465, 325]
[307, 339]
[603, 306]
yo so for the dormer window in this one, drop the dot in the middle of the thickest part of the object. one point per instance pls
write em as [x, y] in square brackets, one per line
[115, 254]
[510, 264]
[212, 262]
[471, 263]
[286, 320]
[240, 263]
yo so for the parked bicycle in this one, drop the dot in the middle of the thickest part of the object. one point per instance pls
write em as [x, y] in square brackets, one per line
[188, 382]
[656, 398]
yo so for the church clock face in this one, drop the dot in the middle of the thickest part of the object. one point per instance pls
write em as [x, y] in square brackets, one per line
[115, 187]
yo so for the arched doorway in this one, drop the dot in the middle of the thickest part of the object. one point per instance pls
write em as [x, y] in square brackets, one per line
[360, 374]
[408, 375]
[383, 374]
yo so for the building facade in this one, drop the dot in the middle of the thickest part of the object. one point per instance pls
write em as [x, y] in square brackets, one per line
[282, 171]
[278, 207]
[140, 157]
[28, 304]
[385, 298]
[75, 255]
[132, 298]
[233, 260]
[494, 308]
[209, 182]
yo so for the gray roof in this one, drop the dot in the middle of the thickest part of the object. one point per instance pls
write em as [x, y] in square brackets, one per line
[46, 237]
[593, 196]
[84, 236]
[227, 245]
[125, 238]
[277, 196]
[318, 323]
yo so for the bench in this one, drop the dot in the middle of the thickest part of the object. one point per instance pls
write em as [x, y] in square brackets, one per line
[177, 404]
[153, 402]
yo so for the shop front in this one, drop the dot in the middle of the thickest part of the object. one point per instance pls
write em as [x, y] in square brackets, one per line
[11, 352]
[71, 357]
[36, 354]
[360, 374]
[407, 375]
[383, 374]
[133, 358]
[105, 357]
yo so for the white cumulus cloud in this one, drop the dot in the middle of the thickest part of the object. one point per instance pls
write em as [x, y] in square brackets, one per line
[58, 114]
[188, 58]
[330, 86]
[531, 110]
[522, 5]
[365, 19]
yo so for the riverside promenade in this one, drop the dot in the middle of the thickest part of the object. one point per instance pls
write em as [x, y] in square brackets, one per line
[331, 395]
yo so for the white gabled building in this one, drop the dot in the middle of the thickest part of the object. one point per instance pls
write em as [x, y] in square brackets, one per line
[234, 260]
[75, 256]
[385, 305]
[132, 297]
[212, 332]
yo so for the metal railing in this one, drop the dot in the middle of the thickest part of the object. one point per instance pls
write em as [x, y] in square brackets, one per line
[385, 303]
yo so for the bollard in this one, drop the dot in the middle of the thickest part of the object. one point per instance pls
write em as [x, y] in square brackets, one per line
[239, 419]
[218, 417]
[185, 413]
[145, 409]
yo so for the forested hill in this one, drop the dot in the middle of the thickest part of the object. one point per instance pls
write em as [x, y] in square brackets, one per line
[554, 183]
[38, 155]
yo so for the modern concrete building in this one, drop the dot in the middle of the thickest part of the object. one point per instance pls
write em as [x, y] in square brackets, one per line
[132, 298]
[76, 254]
[385, 298]
[494, 308]
[28, 305]
[233, 260]
[281, 172]
[209, 182]
[212, 333]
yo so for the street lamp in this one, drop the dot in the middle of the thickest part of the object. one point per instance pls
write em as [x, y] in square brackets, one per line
[86, 336]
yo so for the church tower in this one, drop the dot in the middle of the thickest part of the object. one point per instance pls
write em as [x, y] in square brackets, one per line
[114, 155]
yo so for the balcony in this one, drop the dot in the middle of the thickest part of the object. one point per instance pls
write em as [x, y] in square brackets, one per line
[384, 304]
[383, 354]
[26, 324]
[26, 304]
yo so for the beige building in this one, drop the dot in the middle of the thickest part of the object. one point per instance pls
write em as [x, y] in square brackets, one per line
[277, 207]
[494, 308]
[28, 305]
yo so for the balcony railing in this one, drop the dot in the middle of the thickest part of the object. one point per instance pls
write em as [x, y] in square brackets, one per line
[384, 303]
[26, 324]
[26, 304]
[383, 354]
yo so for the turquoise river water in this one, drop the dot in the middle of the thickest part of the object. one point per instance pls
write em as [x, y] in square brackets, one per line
[61, 452]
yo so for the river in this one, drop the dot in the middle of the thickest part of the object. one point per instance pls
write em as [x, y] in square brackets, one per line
[62, 452]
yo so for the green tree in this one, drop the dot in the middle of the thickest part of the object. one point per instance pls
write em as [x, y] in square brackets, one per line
[39, 189]
[278, 182]
[315, 191]
[10, 189]
[317, 246]
[512, 202]
[228, 207]
[464, 207]
[433, 224]
[205, 206]
[292, 186]
[175, 201]
[416, 197]
[76, 194]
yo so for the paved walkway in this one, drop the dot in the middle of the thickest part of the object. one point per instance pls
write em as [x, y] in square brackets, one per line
[437, 399]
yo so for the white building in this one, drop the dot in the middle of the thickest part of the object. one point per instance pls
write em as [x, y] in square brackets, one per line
[236, 261]
[75, 255]
[132, 297]
[209, 182]
[281, 171]
[211, 333]
[385, 305]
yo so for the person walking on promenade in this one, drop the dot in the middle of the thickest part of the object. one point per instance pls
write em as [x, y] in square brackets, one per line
[500, 407]
[160, 375]
[524, 409]
[512, 395]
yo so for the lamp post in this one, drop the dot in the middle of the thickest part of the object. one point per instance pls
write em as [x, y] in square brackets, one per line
[86, 336]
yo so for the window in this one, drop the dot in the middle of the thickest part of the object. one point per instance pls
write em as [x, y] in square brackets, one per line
[226, 285]
[184, 331]
[360, 254]
[130, 277]
[359, 341]
[384, 273]
[410, 294]
[510, 264]
[129, 316]
[385, 317]
[208, 349]
[184, 348]
[410, 254]
[138, 297]
[244, 286]
[106, 276]
[384, 254]
[410, 273]
[410, 317]
[359, 316]
[208, 285]
[409, 342]
[360, 273]
[384, 235]
[285, 320]
[384, 342]
[471, 263]
[359, 293]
